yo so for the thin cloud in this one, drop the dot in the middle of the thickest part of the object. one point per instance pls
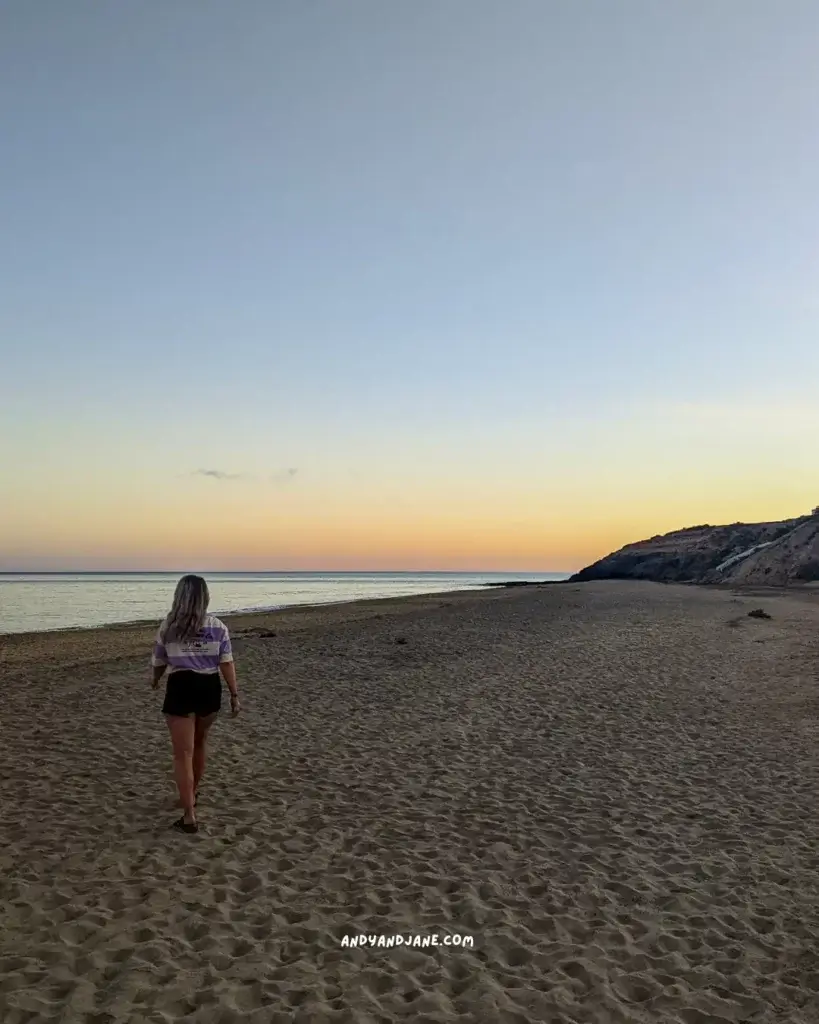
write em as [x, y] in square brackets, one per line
[283, 476]
[218, 474]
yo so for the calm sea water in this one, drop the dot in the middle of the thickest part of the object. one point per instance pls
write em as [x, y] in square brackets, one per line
[31, 602]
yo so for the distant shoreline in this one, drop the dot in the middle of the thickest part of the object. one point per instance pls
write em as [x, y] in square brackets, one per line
[118, 641]
[242, 617]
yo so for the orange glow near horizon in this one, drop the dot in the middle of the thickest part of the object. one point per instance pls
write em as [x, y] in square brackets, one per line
[549, 545]
[498, 509]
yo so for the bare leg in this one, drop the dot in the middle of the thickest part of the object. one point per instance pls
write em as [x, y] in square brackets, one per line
[182, 737]
[200, 737]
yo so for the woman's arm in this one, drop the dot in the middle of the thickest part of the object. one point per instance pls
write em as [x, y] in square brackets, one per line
[229, 669]
[159, 659]
[229, 675]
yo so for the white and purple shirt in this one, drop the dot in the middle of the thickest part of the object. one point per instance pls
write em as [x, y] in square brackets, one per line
[204, 652]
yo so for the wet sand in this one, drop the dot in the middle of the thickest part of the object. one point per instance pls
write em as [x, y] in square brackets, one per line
[609, 788]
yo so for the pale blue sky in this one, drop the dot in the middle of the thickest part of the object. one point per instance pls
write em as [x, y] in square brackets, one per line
[348, 237]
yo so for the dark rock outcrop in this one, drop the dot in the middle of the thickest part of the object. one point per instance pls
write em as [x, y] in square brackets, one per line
[772, 554]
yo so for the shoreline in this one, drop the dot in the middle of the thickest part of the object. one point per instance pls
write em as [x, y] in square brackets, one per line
[84, 644]
[275, 609]
[800, 590]
[751, 590]
[116, 641]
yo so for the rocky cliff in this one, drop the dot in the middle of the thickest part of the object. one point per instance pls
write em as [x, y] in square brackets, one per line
[773, 554]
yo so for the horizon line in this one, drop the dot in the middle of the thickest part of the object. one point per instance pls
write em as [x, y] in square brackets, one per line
[371, 572]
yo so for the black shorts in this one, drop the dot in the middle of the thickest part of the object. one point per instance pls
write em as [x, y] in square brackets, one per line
[192, 693]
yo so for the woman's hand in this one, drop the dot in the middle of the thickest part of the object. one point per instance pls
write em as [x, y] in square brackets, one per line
[235, 706]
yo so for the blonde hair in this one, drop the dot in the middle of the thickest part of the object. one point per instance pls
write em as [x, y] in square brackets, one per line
[187, 614]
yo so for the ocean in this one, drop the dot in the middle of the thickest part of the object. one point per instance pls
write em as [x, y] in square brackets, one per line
[37, 601]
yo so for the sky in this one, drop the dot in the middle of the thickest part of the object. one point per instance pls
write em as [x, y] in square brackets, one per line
[474, 285]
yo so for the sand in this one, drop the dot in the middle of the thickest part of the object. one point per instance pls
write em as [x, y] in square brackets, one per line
[611, 788]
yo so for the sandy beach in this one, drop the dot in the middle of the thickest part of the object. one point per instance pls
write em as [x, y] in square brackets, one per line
[607, 792]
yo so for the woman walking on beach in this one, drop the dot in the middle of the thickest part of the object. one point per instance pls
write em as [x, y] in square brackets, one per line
[194, 646]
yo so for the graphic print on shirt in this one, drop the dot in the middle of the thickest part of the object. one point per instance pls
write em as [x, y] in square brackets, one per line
[210, 648]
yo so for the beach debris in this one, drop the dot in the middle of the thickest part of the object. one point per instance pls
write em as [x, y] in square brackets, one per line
[513, 583]
[400, 639]
[267, 633]
[758, 613]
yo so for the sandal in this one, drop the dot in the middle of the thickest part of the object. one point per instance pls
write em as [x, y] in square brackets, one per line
[186, 826]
